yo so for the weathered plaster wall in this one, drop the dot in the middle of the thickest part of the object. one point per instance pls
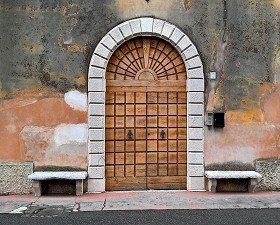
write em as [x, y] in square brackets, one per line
[13, 178]
[45, 129]
[46, 47]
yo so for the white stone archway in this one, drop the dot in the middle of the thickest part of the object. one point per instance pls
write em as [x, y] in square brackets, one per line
[97, 87]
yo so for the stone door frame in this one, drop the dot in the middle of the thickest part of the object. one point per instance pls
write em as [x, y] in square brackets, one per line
[145, 26]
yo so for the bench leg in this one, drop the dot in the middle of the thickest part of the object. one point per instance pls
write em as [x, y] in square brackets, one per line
[79, 187]
[252, 184]
[37, 185]
[212, 185]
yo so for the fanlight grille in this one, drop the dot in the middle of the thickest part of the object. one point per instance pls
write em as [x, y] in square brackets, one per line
[146, 58]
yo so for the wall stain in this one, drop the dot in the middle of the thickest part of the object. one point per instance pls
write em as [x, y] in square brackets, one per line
[276, 65]
[186, 4]
[3, 94]
[139, 8]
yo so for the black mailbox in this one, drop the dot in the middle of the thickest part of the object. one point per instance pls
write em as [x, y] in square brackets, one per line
[219, 119]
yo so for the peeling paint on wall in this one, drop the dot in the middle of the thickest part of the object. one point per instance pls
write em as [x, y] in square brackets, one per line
[67, 134]
[63, 146]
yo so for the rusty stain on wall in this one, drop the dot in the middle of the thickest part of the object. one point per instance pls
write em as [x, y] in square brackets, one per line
[214, 101]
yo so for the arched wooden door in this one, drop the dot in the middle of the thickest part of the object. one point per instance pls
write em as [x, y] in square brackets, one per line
[146, 117]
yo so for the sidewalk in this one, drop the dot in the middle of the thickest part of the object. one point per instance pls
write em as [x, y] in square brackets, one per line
[140, 200]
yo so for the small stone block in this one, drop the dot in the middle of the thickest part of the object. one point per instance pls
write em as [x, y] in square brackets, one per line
[96, 109]
[190, 52]
[96, 134]
[96, 122]
[96, 97]
[167, 30]
[196, 73]
[157, 27]
[102, 51]
[37, 185]
[195, 85]
[97, 84]
[195, 145]
[98, 61]
[212, 185]
[193, 62]
[109, 42]
[196, 170]
[196, 109]
[176, 36]
[97, 72]
[195, 121]
[117, 35]
[135, 26]
[97, 160]
[252, 184]
[195, 133]
[96, 147]
[196, 97]
[195, 158]
[96, 172]
[96, 185]
[125, 30]
[79, 187]
[196, 183]
[147, 25]
[184, 43]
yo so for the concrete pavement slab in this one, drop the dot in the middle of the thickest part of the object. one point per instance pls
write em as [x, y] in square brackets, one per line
[143, 200]
[9, 203]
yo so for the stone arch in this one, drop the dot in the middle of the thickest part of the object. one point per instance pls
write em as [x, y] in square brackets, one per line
[97, 87]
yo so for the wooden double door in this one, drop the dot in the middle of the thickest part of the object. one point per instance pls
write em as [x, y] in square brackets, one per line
[146, 118]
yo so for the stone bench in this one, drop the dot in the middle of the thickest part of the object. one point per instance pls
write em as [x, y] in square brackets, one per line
[37, 177]
[214, 175]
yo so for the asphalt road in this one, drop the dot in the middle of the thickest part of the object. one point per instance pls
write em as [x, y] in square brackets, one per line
[162, 217]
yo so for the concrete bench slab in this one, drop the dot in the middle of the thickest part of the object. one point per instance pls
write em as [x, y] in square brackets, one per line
[37, 177]
[214, 175]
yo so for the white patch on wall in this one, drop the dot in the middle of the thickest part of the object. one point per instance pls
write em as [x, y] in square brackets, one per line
[76, 100]
[66, 134]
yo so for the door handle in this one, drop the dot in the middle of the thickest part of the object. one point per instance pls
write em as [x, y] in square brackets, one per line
[162, 134]
[129, 134]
